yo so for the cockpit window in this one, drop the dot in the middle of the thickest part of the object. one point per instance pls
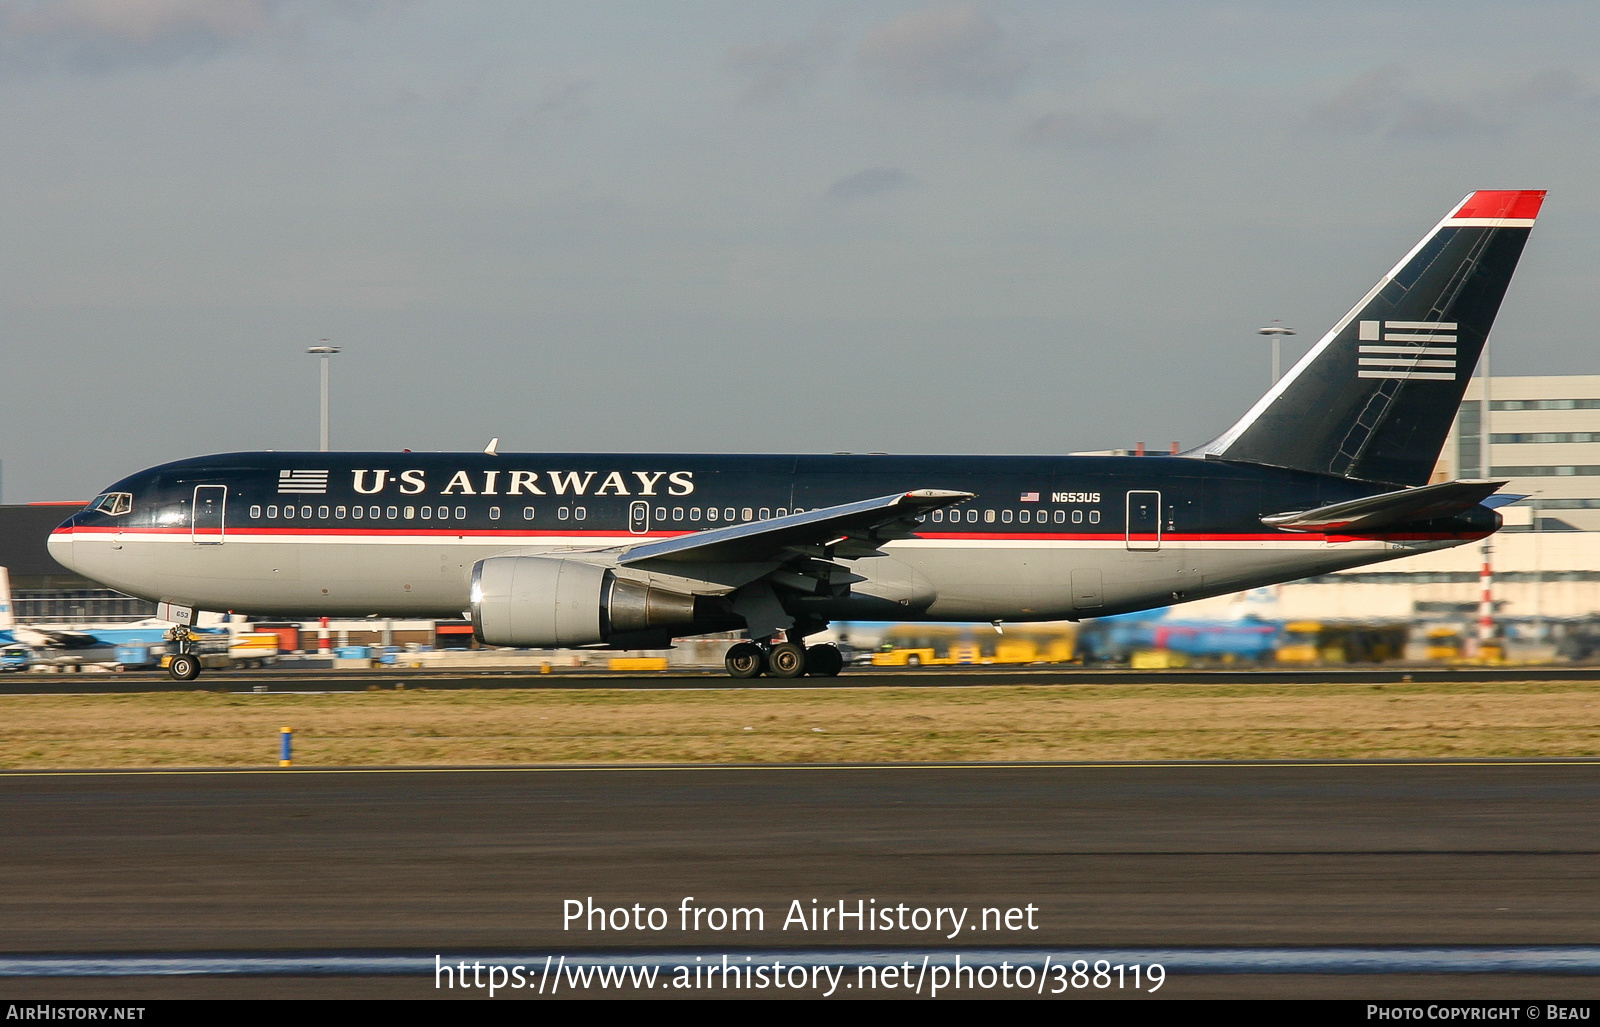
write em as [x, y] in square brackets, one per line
[112, 503]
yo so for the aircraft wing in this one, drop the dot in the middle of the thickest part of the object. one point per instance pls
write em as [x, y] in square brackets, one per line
[1372, 513]
[847, 530]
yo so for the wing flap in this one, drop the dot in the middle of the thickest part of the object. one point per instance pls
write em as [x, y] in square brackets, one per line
[861, 525]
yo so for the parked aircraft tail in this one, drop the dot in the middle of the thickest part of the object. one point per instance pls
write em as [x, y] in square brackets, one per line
[1374, 399]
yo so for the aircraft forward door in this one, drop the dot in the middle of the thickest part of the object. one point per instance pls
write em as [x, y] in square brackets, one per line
[639, 517]
[1144, 520]
[210, 504]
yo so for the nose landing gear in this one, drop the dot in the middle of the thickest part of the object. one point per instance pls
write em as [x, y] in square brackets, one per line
[185, 662]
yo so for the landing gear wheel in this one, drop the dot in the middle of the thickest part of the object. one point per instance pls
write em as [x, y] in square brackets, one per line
[745, 660]
[786, 660]
[184, 667]
[824, 661]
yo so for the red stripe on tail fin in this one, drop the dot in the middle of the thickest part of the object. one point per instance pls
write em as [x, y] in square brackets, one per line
[1521, 204]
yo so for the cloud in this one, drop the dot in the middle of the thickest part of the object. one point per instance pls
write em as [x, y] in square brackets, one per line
[139, 22]
[1383, 101]
[1363, 104]
[99, 36]
[870, 182]
[1110, 128]
[955, 47]
[772, 69]
[1438, 119]
[566, 102]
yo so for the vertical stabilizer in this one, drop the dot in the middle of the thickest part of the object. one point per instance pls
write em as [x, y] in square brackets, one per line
[1375, 397]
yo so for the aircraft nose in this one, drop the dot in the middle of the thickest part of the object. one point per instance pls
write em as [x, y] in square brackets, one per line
[60, 544]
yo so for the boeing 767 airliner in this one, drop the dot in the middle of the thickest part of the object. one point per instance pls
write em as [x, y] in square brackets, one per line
[1328, 470]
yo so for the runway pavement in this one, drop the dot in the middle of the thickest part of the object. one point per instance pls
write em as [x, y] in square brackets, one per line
[1172, 855]
[292, 680]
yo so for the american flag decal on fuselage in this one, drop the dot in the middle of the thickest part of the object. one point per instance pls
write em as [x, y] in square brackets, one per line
[306, 483]
[1413, 350]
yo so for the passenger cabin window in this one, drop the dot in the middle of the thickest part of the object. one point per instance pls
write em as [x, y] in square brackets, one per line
[411, 513]
[527, 513]
[579, 513]
[694, 515]
[356, 512]
[272, 511]
[1061, 516]
[1005, 516]
[711, 513]
[1024, 516]
[677, 513]
[1094, 516]
[1077, 516]
[661, 513]
[988, 517]
[938, 516]
[373, 512]
[427, 512]
[746, 514]
[563, 513]
[392, 512]
[255, 513]
[494, 513]
[339, 512]
[782, 512]
[305, 511]
[322, 512]
[727, 514]
[765, 513]
[461, 513]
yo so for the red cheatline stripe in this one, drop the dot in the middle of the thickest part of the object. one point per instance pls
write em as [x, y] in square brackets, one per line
[516, 533]
[1519, 204]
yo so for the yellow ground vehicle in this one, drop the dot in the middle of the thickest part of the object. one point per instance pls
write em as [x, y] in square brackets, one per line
[944, 645]
[1445, 643]
[1309, 641]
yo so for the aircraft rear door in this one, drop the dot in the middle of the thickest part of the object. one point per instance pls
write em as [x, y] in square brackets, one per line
[1144, 520]
[210, 503]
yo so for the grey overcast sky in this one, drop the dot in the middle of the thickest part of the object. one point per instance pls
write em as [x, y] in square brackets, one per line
[735, 225]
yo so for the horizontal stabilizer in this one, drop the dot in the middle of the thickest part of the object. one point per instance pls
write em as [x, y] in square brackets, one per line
[1372, 513]
[869, 521]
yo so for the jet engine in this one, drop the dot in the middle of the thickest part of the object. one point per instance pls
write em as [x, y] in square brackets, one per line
[544, 602]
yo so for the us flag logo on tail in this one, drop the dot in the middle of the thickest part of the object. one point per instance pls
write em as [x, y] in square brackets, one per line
[309, 483]
[1413, 350]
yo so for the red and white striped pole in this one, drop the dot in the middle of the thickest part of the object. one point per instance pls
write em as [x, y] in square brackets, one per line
[1485, 604]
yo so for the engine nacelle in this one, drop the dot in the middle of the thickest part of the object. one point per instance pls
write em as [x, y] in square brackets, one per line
[545, 602]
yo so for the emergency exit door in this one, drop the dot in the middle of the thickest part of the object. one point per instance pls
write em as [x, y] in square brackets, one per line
[639, 517]
[1144, 520]
[210, 504]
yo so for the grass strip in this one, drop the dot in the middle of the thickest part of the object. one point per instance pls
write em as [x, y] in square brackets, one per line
[415, 726]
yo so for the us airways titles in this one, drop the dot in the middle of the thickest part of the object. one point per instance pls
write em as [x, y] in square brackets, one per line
[372, 481]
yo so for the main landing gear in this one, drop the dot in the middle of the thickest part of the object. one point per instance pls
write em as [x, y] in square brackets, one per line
[784, 660]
